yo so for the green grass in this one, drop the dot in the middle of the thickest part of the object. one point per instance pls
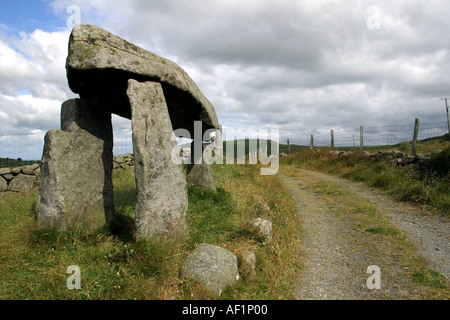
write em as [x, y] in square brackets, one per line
[33, 264]
[429, 277]
[406, 183]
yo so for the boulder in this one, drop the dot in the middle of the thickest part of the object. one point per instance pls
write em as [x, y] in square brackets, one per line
[22, 183]
[212, 266]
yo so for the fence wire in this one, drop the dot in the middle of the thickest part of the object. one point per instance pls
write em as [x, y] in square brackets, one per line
[20, 149]
[374, 136]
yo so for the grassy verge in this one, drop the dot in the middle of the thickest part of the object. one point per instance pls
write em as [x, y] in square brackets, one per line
[404, 183]
[33, 265]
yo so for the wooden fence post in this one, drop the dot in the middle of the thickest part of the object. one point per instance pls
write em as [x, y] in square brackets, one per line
[332, 138]
[416, 134]
[311, 144]
[361, 138]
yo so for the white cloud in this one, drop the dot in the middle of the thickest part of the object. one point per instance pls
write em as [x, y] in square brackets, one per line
[303, 65]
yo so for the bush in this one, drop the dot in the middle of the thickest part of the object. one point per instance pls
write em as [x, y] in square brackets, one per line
[440, 162]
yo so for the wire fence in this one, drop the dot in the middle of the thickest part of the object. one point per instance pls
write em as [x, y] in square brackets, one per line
[372, 136]
[21, 149]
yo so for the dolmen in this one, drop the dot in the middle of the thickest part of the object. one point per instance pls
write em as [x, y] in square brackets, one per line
[114, 76]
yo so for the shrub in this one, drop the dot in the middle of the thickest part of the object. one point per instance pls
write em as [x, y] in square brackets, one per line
[440, 162]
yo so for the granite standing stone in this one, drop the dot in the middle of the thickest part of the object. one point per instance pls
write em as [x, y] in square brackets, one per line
[75, 185]
[161, 200]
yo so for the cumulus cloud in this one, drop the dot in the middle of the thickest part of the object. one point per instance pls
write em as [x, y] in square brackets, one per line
[32, 80]
[302, 66]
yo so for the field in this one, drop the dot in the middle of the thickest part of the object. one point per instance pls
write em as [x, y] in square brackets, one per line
[33, 264]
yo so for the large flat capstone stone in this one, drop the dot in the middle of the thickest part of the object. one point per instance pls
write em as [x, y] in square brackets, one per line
[100, 63]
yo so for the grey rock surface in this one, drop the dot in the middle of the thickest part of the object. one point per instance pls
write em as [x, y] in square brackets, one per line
[3, 184]
[22, 183]
[75, 186]
[161, 201]
[262, 227]
[198, 172]
[201, 176]
[212, 266]
[29, 169]
[5, 171]
[99, 64]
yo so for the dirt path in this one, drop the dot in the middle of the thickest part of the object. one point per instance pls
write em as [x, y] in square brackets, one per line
[335, 214]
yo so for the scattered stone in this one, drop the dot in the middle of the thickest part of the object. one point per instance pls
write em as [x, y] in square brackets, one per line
[212, 266]
[262, 227]
[248, 263]
[22, 183]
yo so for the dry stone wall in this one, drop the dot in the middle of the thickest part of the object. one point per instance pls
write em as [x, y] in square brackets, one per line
[396, 157]
[20, 179]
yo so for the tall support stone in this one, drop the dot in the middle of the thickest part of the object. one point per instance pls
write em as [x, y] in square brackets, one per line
[161, 195]
[75, 191]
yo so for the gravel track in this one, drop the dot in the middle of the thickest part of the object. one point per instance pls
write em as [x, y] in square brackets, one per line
[337, 255]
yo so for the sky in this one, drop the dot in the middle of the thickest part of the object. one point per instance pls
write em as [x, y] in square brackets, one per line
[300, 66]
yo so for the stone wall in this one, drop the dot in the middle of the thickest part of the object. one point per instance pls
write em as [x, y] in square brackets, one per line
[26, 178]
[20, 179]
[396, 157]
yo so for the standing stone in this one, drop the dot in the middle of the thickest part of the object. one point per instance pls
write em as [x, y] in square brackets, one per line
[161, 196]
[76, 186]
[22, 183]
